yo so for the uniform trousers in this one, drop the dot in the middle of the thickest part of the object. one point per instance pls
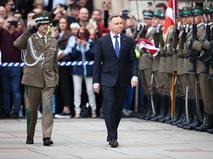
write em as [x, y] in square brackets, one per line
[206, 88]
[190, 79]
[180, 90]
[146, 80]
[183, 84]
[158, 83]
[35, 94]
[166, 80]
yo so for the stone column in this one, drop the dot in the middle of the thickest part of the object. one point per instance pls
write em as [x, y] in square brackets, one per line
[117, 5]
[98, 4]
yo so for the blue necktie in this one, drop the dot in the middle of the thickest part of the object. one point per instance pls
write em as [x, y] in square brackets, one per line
[117, 49]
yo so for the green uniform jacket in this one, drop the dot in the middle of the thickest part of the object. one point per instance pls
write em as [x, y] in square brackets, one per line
[200, 30]
[46, 75]
[145, 60]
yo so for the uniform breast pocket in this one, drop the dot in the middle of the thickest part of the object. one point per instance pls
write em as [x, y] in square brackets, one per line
[37, 48]
[53, 51]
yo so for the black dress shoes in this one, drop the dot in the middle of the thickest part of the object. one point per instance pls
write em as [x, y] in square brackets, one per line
[29, 140]
[47, 141]
[113, 142]
[14, 115]
[5, 115]
[108, 139]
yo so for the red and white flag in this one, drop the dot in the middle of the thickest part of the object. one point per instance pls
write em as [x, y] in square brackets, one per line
[171, 15]
[148, 45]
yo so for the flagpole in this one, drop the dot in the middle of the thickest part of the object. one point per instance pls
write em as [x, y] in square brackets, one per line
[173, 72]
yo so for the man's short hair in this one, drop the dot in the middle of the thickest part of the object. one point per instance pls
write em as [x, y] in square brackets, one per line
[113, 16]
[31, 12]
[159, 5]
[17, 12]
[96, 10]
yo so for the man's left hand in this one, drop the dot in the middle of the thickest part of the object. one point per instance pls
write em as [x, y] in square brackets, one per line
[134, 81]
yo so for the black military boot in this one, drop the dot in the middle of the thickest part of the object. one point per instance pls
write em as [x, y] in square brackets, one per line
[208, 123]
[144, 112]
[196, 121]
[156, 100]
[149, 113]
[162, 108]
[168, 115]
[177, 110]
[183, 113]
[190, 115]
[210, 131]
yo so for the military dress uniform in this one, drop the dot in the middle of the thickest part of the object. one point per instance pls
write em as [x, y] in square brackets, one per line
[158, 83]
[145, 62]
[40, 75]
[205, 83]
[191, 78]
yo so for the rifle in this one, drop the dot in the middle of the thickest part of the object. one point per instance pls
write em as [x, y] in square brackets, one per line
[194, 54]
[205, 57]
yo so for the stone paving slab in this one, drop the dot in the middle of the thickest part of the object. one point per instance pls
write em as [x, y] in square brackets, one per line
[86, 139]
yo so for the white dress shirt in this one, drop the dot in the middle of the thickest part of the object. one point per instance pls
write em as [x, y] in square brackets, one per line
[45, 37]
[113, 39]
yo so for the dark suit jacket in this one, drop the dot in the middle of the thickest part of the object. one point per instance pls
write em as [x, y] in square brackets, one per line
[114, 69]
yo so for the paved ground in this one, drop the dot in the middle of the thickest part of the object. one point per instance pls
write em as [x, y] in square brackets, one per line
[86, 138]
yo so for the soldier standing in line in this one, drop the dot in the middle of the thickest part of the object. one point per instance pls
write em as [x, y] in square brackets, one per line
[145, 60]
[40, 74]
[181, 81]
[159, 14]
[175, 59]
[208, 46]
[191, 78]
[206, 86]
[165, 97]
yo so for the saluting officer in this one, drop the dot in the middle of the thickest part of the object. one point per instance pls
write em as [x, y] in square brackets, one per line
[40, 74]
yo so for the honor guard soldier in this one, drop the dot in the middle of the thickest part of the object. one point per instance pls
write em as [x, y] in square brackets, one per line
[159, 15]
[203, 71]
[145, 60]
[181, 82]
[40, 74]
[174, 47]
[196, 30]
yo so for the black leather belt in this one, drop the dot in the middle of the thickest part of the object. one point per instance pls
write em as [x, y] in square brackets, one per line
[169, 55]
[175, 52]
[181, 56]
[162, 55]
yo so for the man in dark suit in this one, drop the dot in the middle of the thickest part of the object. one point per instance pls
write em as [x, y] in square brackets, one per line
[116, 53]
